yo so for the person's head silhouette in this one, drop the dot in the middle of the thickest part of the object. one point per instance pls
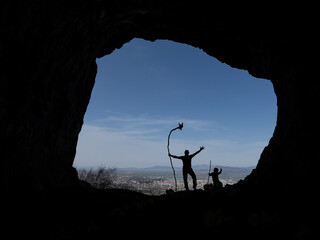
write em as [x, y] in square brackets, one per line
[186, 152]
[216, 170]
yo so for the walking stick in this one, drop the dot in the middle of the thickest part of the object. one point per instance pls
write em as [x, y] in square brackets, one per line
[174, 172]
[209, 172]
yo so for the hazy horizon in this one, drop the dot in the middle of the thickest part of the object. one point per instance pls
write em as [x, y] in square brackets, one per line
[195, 166]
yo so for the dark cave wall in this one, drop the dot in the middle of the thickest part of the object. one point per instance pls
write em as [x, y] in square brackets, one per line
[46, 81]
[48, 52]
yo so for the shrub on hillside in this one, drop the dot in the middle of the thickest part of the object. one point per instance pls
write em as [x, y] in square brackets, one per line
[101, 178]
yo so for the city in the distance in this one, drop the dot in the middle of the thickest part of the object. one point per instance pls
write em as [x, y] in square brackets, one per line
[156, 180]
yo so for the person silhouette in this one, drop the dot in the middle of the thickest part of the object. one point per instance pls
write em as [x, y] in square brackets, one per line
[215, 177]
[187, 169]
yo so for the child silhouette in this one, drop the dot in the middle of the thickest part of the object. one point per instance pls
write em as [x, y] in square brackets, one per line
[215, 178]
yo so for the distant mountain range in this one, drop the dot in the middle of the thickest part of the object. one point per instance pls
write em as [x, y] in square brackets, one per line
[195, 167]
[200, 170]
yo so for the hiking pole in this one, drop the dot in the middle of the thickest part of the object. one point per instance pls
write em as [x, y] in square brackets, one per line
[180, 126]
[209, 172]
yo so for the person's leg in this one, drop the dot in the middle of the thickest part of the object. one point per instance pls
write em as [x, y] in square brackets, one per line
[185, 178]
[194, 178]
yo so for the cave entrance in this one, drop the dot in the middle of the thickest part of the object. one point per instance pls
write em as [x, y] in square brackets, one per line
[145, 88]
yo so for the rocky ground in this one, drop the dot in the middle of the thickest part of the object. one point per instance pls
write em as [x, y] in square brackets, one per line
[88, 213]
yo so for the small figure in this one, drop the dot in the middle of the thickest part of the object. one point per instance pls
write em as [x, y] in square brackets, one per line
[215, 178]
[187, 169]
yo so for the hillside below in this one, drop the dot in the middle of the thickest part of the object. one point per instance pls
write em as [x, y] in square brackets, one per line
[89, 213]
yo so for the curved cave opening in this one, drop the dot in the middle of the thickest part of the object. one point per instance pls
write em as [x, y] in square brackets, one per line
[144, 88]
[48, 59]
[58, 47]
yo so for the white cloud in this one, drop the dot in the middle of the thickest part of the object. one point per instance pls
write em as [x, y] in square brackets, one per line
[98, 145]
[145, 120]
[148, 127]
[142, 142]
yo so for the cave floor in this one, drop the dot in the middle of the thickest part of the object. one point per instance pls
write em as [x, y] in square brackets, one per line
[88, 213]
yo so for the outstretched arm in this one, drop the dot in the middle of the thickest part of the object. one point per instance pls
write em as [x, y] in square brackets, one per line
[220, 171]
[170, 155]
[201, 148]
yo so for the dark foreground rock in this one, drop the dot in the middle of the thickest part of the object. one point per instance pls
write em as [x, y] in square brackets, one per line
[98, 214]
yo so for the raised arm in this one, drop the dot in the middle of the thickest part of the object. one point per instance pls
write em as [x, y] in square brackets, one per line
[201, 148]
[220, 171]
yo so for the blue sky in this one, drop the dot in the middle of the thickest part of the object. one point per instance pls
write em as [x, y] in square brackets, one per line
[145, 88]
